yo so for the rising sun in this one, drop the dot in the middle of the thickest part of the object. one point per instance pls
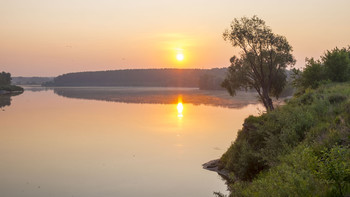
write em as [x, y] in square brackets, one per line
[180, 56]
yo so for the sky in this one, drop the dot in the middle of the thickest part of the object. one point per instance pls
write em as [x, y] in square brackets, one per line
[49, 38]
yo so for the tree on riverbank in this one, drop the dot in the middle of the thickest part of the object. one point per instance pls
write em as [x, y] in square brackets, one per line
[5, 78]
[303, 147]
[333, 66]
[5, 84]
[263, 61]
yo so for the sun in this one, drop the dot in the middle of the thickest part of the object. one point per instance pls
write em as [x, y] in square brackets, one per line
[180, 57]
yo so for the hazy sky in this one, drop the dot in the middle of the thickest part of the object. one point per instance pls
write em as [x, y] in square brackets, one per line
[48, 38]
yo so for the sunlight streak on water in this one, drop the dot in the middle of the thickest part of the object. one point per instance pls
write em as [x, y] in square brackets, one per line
[180, 108]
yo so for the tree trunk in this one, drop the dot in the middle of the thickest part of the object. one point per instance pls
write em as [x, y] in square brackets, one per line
[270, 104]
[267, 101]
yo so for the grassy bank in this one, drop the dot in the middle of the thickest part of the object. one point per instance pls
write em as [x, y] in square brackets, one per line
[300, 149]
[11, 88]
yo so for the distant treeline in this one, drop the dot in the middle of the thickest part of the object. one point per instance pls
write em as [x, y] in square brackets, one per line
[30, 80]
[208, 79]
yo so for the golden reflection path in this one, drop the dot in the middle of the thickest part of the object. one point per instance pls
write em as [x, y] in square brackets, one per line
[179, 107]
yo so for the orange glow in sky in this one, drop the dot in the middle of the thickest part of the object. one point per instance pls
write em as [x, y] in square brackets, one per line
[48, 38]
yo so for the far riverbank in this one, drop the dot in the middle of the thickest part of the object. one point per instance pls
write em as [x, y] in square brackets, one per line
[10, 89]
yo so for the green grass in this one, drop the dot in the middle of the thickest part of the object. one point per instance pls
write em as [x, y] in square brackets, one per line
[300, 149]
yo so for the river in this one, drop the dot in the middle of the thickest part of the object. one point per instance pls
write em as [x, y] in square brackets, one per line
[107, 142]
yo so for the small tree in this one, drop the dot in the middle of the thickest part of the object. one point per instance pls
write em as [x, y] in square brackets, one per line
[263, 61]
[5, 78]
[337, 64]
[333, 66]
[312, 75]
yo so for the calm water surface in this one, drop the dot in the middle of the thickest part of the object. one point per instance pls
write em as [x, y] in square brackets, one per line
[57, 145]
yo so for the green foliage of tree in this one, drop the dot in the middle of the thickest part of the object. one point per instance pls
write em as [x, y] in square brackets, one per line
[337, 64]
[263, 61]
[312, 75]
[334, 66]
[5, 78]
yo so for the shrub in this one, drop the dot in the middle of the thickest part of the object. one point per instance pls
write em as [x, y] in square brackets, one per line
[291, 178]
[334, 167]
[334, 66]
[313, 73]
[337, 64]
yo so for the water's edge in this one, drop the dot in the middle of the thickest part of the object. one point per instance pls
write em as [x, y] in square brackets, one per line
[213, 165]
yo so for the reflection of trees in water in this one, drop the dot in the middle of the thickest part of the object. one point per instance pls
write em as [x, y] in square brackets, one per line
[36, 88]
[160, 96]
[5, 99]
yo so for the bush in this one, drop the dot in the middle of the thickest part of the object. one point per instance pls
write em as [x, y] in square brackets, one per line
[291, 178]
[334, 66]
[337, 64]
[263, 139]
[334, 168]
[313, 74]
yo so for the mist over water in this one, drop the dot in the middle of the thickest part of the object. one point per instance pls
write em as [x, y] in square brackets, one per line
[150, 95]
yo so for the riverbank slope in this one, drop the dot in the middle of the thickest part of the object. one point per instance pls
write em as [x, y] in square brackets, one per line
[300, 149]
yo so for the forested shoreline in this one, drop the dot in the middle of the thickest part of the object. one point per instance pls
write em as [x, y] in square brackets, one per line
[209, 79]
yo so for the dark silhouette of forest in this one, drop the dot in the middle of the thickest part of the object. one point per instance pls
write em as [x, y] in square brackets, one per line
[209, 79]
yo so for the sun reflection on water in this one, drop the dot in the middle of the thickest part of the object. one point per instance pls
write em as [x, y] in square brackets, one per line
[180, 108]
